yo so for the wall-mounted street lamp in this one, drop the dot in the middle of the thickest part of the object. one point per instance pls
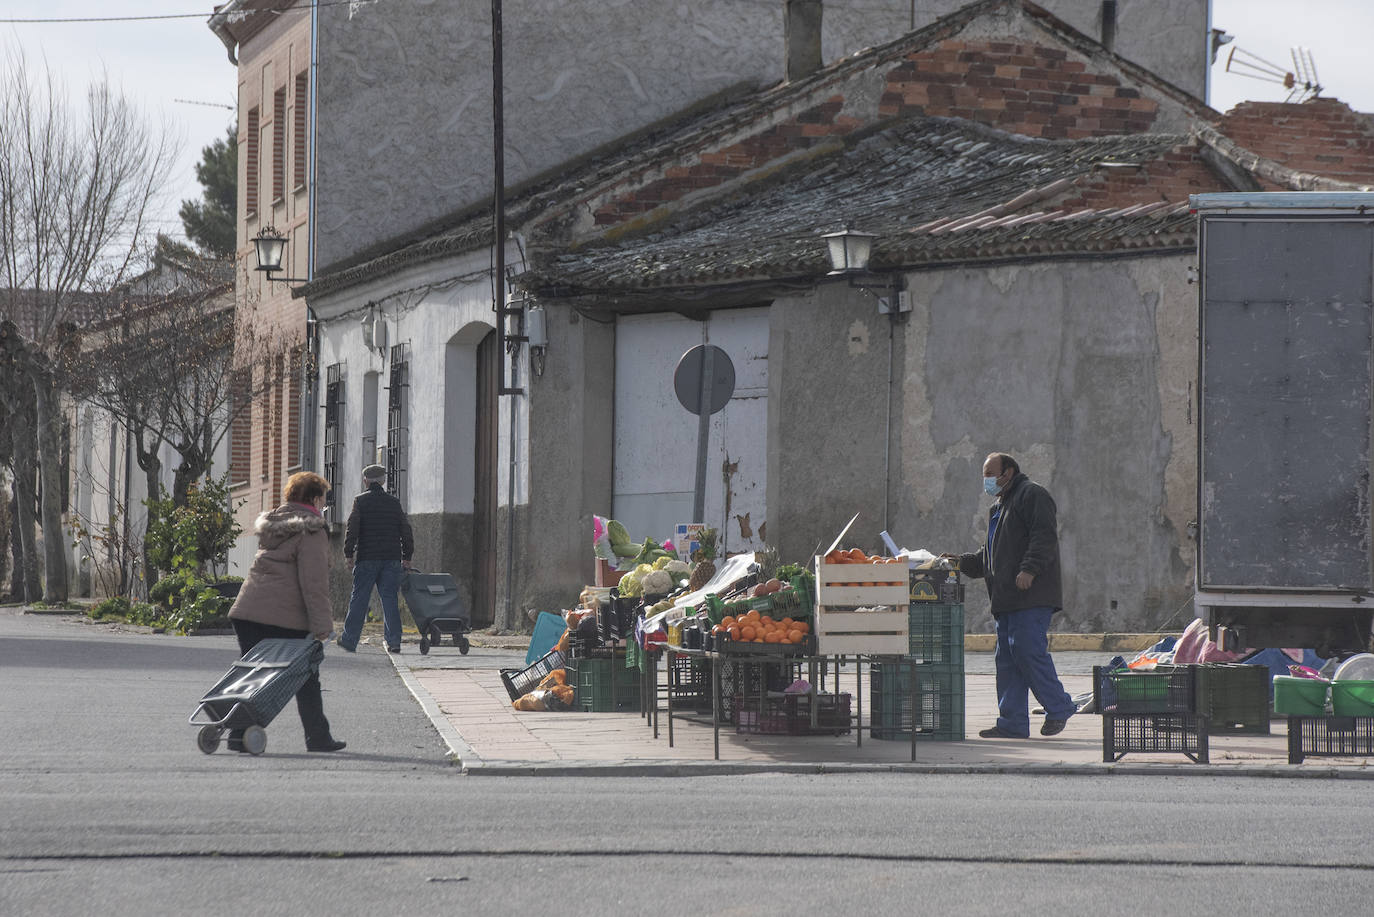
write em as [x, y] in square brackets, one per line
[269, 244]
[849, 252]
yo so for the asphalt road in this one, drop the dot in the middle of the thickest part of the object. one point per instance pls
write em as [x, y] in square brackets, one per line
[108, 807]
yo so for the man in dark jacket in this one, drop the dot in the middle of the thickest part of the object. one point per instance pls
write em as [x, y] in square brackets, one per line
[379, 532]
[1020, 564]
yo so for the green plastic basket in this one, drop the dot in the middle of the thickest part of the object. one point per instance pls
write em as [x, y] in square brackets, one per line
[1300, 696]
[1352, 698]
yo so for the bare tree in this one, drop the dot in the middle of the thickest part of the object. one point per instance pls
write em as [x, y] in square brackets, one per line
[176, 366]
[77, 186]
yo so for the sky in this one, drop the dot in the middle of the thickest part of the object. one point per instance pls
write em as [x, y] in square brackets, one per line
[177, 69]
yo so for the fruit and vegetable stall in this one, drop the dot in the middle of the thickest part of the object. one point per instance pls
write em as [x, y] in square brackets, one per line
[751, 643]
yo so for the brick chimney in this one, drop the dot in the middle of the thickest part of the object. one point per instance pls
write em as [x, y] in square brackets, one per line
[802, 36]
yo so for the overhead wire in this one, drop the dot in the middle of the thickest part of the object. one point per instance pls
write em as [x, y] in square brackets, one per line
[291, 8]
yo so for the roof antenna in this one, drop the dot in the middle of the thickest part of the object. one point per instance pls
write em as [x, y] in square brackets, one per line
[1301, 82]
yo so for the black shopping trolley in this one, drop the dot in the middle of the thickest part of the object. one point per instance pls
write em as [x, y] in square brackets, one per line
[437, 608]
[254, 691]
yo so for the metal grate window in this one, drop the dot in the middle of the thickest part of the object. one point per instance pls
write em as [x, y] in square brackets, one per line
[333, 427]
[397, 407]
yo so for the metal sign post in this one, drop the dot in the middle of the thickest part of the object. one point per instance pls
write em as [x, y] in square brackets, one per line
[704, 381]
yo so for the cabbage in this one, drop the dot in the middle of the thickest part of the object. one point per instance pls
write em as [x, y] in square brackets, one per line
[629, 584]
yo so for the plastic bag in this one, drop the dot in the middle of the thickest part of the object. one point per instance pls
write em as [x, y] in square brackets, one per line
[547, 699]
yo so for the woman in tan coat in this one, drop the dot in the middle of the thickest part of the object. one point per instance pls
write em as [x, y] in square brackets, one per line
[286, 593]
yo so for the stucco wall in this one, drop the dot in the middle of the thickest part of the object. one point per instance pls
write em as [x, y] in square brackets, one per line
[404, 114]
[1079, 369]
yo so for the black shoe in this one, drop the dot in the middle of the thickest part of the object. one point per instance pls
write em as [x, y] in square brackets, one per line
[997, 732]
[326, 745]
[393, 649]
[1052, 727]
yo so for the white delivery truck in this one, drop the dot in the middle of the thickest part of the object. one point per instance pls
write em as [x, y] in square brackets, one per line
[1285, 548]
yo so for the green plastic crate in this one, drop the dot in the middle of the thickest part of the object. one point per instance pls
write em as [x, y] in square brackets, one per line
[937, 633]
[939, 710]
[604, 686]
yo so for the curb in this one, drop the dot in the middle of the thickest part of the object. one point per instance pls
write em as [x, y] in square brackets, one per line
[461, 752]
[718, 768]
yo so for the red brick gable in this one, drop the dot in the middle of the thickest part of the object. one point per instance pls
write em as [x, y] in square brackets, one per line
[1322, 136]
[1018, 87]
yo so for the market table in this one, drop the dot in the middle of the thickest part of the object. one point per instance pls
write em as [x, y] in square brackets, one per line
[814, 664]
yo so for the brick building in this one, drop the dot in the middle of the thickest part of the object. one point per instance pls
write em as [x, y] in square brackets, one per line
[272, 52]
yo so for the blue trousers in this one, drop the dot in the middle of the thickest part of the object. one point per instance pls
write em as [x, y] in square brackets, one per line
[1024, 667]
[385, 576]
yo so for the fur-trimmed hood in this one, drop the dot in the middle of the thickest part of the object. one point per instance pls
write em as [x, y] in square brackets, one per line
[286, 521]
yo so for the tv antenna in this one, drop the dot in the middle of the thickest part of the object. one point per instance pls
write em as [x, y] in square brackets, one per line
[1301, 82]
[207, 104]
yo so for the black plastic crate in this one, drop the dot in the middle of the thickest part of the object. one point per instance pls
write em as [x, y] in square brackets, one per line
[689, 678]
[750, 679]
[1164, 689]
[939, 700]
[520, 682]
[615, 617]
[1234, 697]
[1329, 737]
[790, 714]
[1163, 733]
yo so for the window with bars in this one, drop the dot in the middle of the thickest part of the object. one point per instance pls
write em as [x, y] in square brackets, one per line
[397, 405]
[279, 146]
[333, 429]
[302, 109]
[251, 165]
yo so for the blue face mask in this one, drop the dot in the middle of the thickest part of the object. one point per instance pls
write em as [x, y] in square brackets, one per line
[990, 486]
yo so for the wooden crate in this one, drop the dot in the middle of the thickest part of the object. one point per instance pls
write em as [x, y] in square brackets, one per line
[842, 589]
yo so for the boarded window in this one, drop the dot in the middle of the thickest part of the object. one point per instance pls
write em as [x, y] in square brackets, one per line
[279, 145]
[251, 165]
[302, 109]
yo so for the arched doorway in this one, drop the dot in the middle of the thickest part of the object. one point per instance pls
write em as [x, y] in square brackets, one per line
[472, 379]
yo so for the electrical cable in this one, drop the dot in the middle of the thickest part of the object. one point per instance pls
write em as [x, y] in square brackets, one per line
[301, 7]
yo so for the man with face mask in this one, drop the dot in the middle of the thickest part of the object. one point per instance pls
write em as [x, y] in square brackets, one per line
[1020, 564]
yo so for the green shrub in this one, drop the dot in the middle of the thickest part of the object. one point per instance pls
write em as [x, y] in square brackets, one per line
[117, 607]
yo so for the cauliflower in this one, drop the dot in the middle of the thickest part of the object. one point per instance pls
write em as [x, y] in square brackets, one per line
[656, 582]
[663, 562]
[676, 567]
[644, 570]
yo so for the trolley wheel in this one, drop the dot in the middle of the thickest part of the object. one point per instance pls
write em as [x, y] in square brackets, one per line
[463, 644]
[424, 644]
[255, 740]
[207, 740]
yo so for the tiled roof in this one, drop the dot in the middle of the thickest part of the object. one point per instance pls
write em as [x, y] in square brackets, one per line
[935, 191]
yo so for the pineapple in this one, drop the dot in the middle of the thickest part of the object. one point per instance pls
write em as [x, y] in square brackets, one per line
[704, 555]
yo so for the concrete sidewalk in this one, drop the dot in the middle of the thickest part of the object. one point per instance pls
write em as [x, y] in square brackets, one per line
[468, 704]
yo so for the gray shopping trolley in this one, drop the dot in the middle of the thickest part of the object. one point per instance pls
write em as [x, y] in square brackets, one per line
[437, 608]
[254, 691]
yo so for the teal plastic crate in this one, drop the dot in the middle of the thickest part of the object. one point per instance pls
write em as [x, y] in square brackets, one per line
[604, 685]
[939, 701]
[937, 633]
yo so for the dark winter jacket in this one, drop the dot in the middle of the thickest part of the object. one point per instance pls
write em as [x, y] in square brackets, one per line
[1026, 539]
[288, 584]
[378, 528]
